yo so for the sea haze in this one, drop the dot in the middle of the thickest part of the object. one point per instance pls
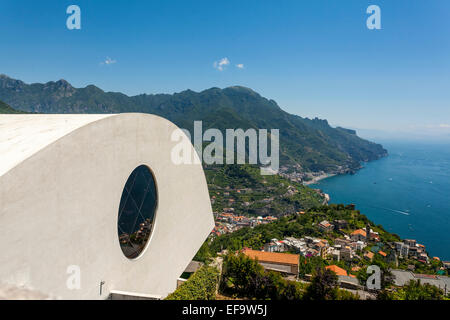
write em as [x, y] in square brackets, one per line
[407, 192]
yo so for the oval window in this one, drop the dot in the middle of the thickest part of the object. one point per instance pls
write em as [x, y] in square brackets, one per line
[137, 211]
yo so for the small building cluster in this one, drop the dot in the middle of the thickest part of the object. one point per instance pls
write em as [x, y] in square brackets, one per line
[306, 246]
[325, 226]
[345, 248]
[296, 175]
[227, 221]
[409, 248]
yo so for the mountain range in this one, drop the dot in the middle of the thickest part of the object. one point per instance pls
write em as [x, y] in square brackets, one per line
[309, 144]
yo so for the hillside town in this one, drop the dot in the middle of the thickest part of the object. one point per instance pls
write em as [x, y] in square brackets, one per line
[354, 248]
[344, 248]
[308, 232]
[227, 221]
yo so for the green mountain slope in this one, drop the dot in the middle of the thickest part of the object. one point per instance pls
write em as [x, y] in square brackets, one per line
[244, 189]
[310, 143]
[4, 108]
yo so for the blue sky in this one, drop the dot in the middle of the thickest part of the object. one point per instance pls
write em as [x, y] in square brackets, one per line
[315, 58]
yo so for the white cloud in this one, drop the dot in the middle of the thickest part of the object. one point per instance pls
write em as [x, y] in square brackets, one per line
[240, 65]
[108, 61]
[444, 125]
[221, 64]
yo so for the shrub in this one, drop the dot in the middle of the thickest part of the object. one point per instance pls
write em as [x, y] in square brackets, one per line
[415, 290]
[245, 277]
[346, 295]
[200, 286]
[324, 286]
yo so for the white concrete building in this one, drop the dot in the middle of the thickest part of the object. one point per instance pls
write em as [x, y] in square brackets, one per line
[71, 185]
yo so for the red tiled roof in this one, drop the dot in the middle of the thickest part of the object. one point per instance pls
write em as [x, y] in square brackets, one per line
[359, 231]
[384, 254]
[283, 258]
[339, 271]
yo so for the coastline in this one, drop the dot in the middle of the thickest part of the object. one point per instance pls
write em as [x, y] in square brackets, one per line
[409, 217]
[318, 178]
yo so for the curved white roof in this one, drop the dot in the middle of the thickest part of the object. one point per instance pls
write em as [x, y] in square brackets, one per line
[23, 135]
[62, 178]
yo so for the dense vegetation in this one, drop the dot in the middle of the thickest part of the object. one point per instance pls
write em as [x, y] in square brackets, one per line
[201, 285]
[324, 286]
[414, 290]
[248, 192]
[4, 108]
[311, 143]
[243, 277]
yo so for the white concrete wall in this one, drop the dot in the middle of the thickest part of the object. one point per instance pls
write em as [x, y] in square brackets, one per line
[59, 207]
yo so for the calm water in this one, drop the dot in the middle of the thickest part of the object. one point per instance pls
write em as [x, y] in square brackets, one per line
[407, 192]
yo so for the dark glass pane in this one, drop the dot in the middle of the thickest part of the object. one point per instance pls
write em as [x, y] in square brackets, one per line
[137, 211]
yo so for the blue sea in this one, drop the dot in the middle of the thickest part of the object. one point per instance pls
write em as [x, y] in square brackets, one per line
[407, 192]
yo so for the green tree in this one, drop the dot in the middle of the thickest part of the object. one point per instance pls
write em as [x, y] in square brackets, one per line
[242, 274]
[245, 277]
[324, 286]
[203, 254]
[309, 265]
[414, 290]
[200, 286]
